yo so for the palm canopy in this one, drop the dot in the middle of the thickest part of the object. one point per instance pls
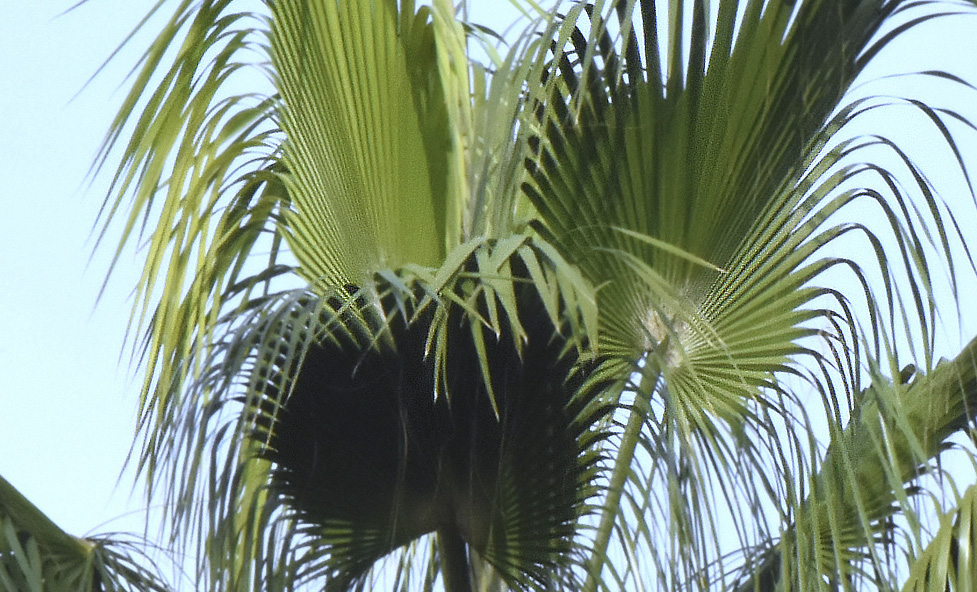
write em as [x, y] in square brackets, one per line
[589, 289]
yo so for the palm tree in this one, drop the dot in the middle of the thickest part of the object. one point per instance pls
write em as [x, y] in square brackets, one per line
[572, 319]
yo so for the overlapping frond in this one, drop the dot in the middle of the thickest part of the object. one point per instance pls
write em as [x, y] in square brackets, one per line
[702, 181]
[199, 172]
[414, 403]
[37, 556]
[867, 474]
[948, 562]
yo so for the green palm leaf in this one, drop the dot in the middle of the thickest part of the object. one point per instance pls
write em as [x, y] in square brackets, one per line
[948, 561]
[869, 471]
[376, 175]
[36, 555]
[365, 460]
[391, 463]
[697, 189]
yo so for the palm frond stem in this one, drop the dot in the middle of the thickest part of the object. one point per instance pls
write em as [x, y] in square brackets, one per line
[30, 518]
[37, 555]
[630, 439]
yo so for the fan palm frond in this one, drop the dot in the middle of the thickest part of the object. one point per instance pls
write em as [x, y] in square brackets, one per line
[366, 459]
[868, 472]
[36, 555]
[361, 176]
[701, 188]
[376, 147]
[391, 463]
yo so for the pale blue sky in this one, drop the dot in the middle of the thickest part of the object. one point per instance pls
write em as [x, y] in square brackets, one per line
[68, 395]
[67, 404]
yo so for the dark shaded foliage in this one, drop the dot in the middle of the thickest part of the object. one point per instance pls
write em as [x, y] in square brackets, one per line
[370, 459]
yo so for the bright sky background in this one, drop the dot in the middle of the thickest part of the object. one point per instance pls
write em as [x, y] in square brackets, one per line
[68, 394]
[67, 404]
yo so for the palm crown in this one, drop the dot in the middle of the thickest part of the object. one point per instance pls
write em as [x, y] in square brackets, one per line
[575, 313]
